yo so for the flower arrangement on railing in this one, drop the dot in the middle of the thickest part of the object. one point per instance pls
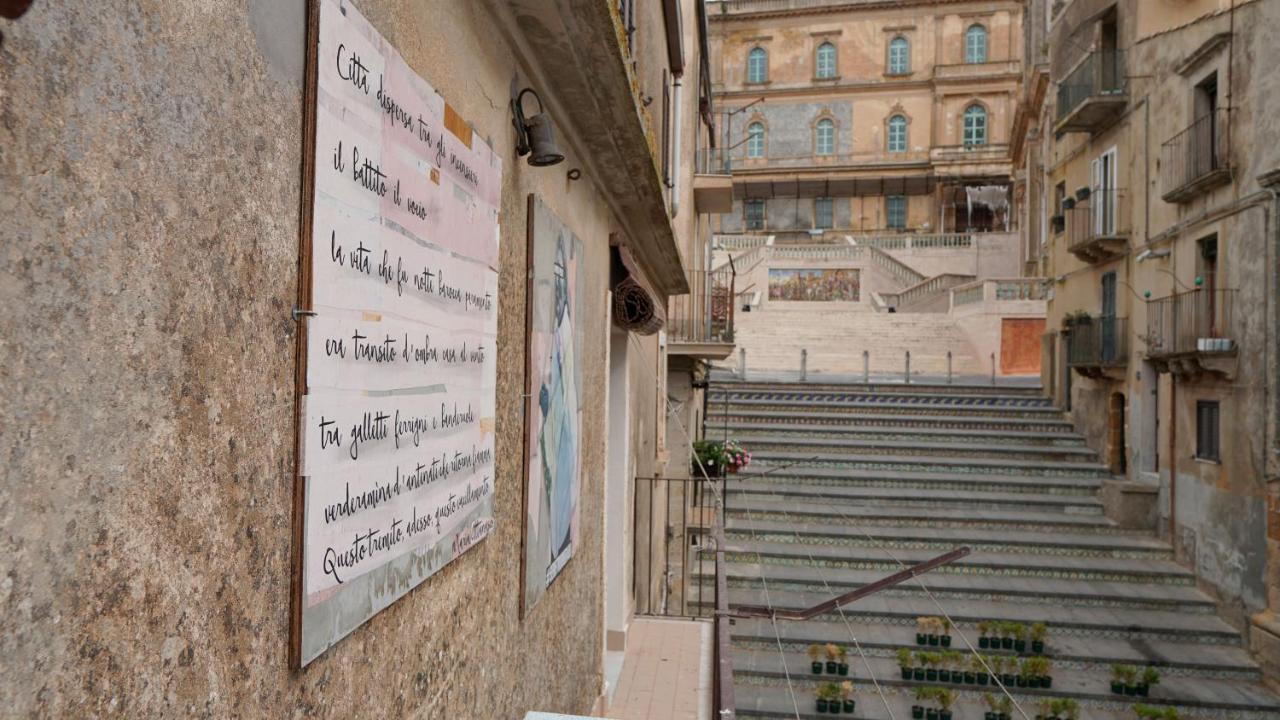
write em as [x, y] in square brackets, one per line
[715, 456]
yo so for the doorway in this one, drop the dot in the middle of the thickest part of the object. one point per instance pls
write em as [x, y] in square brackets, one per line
[617, 493]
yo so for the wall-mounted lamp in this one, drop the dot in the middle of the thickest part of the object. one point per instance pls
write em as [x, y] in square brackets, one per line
[535, 136]
[1148, 254]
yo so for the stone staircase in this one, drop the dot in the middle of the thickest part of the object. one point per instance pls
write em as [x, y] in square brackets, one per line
[865, 479]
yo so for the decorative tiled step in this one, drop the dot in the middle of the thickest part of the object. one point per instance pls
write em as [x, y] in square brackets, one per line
[795, 530]
[1016, 518]
[727, 382]
[906, 481]
[719, 417]
[894, 408]
[890, 497]
[818, 457]
[961, 588]
[748, 433]
[978, 562]
[1066, 620]
[915, 394]
[1092, 688]
[1172, 657]
[1070, 456]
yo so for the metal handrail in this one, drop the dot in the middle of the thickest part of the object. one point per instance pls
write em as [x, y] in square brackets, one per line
[1195, 152]
[706, 314]
[1195, 321]
[1098, 342]
[1101, 72]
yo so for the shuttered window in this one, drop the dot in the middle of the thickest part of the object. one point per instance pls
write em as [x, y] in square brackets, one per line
[1207, 447]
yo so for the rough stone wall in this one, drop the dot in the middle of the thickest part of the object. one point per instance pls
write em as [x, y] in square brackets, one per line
[150, 157]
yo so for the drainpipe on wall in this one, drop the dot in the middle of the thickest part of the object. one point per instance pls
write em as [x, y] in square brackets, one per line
[1173, 463]
[675, 162]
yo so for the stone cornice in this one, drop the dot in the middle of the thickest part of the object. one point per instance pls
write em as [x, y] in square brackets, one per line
[715, 11]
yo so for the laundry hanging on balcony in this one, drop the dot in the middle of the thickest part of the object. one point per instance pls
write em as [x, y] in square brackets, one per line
[636, 305]
[993, 197]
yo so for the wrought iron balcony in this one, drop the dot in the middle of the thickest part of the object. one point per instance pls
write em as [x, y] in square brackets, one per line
[1190, 332]
[1196, 159]
[1098, 345]
[1094, 93]
[700, 324]
[1098, 225]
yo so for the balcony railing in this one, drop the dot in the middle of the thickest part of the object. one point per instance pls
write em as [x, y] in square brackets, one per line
[1192, 322]
[1098, 343]
[1098, 225]
[1197, 158]
[926, 288]
[705, 315]
[712, 161]
[1093, 92]
[1000, 290]
[974, 70]
[739, 160]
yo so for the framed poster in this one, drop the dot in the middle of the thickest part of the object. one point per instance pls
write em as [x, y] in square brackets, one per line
[397, 371]
[553, 416]
[815, 284]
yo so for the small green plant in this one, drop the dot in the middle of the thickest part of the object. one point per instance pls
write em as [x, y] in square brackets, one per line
[1039, 631]
[829, 691]
[1150, 676]
[904, 658]
[1149, 712]
[1124, 673]
[1065, 708]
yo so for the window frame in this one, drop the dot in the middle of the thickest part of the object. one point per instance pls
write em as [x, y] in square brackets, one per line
[902, 42]
[1209, 431]
[831, 72]
[818, 212]
[967, 131]
[748, 222]
[757, 55]
[900, 121]
[828, 124]
[755, 140]
[900, 201]
[971, 57]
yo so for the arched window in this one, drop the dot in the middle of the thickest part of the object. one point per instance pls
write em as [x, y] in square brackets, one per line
[975, 44]
[899, 56]
[757, 65]
[826, 137]
[755, 140]
[975, 126]
[897, 134]
[825, 61]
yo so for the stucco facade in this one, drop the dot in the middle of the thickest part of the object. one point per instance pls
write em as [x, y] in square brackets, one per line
[854, 104]
[151, 162]
[1162, 145]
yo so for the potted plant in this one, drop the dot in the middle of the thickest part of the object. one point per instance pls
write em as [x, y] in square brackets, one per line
[1066, 709]
[1150, 676]
[842, 666]
[944, 633]
[1068, 203]
[1039, 631]
[1082, 193]
[919, 671]
[1038, 669]
[904, 663]
[984, 630]
[1019, 638]
[734, 456]
[980, 673]
[922, 630]
[954, 660]
[1059, 223]
[928, 694]
[833, 658]
[1005, 705]
[815, 658]
[1149, 712]
[708, 456]
[917, 712]
[946, 698]
[827, 693]
[847, 703]
[1122, 680]
[1006, 635]
[930, 662]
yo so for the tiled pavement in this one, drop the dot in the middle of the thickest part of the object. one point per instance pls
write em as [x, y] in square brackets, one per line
[666, 673]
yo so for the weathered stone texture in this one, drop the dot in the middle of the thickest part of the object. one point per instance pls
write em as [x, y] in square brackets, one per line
[150, 160]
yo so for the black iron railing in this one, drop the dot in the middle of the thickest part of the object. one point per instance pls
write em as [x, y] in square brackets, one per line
[1101, 73]
[674, 523]
[1192, 321]
[1195, 153]
[1103, 214]
[705, 315]
[1099, 342]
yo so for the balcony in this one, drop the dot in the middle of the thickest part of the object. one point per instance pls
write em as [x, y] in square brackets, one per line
[834, 161]
[1189, 334]
[700, 324]
[1197, 159]
[1098, 226]
[1099, 347]
[1094, 94]
[969, 71]
[953, 154]
[712, 184]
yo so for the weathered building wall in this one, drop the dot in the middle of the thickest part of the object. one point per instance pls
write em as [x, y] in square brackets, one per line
[150, 156]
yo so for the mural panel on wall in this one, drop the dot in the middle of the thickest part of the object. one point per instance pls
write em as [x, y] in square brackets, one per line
[398, 365]
[553, 458]
[816, 284]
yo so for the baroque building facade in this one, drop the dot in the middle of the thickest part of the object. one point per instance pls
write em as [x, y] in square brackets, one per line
[863, 118]
[1146, 166]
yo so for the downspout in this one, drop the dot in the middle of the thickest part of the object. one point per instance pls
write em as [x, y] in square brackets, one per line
[676, 170]
[1173, 463]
